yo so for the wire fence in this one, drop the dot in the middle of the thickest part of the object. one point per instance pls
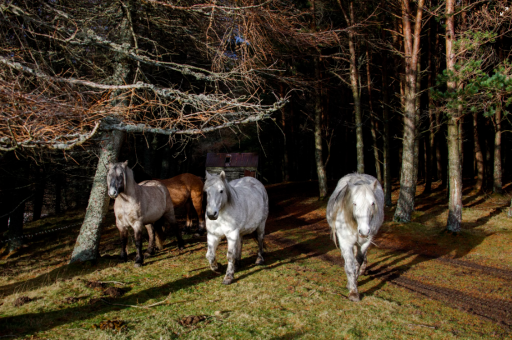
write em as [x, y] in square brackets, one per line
[40, 233]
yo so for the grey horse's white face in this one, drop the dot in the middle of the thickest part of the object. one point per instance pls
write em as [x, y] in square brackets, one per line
[364, 208]
[116, 178]
[216, 194]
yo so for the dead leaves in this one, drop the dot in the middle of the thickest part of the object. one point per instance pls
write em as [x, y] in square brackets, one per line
[114, 325]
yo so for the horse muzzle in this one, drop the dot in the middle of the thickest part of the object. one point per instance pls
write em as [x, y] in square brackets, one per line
[113, 194]
[213, 216]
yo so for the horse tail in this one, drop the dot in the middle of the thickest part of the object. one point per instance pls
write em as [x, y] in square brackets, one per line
[159, 233]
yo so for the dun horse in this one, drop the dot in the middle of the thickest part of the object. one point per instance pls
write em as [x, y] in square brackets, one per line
[137, 205]
[234, 209]
[355, 213]
[187, 190]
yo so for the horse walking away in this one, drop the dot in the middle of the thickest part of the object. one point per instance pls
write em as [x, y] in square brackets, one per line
[139, 205]
[186, 190]
[233, 210]
[355, 213]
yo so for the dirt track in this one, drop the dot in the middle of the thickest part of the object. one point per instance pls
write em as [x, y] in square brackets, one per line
[496, 310]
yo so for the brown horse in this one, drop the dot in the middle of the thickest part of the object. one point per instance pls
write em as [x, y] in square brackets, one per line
[187, 190]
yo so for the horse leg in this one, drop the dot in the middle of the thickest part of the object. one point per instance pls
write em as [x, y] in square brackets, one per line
[159, 233]
[197, 202]
[169, 216]
[139, 259]
[351, 270]
[151, 246]
[261, 233]
[213, 243]
[238, 256]
[233, 239]
[188, 224]
[123, 233]
[361, 258]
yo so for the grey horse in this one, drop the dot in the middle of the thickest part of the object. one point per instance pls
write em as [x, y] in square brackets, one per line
[355, 213]
[139, 205]
[233, 210]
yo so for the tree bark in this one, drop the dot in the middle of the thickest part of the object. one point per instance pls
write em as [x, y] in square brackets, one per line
[285, 168]
[166, 162]
[320, 168]
[497, 184]
[354, 76]
[37, 202]
[372, 118]
[454, 221]
[16, 226]
[405, 204]
[386, 137]
[58, 194]
[479, 158]
[431, 113]
[87, 243]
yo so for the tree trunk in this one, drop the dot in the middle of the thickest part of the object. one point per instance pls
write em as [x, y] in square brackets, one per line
[320, 169]
[16, 225]
[58, 194]
[87, 243]
[372, 118]
[497, 185]
[354, 76]
[479, 158]
[405, 204]
[166, 162]
[431, 113]
[37, 201]
[386, 137]
[454, 221]
[285, 171]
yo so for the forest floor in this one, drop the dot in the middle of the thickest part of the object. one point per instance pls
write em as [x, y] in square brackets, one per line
[422, 283]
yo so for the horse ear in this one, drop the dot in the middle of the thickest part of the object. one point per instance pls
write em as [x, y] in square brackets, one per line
[375, 185]
[222, 175]
[125, 163]
[208, 174]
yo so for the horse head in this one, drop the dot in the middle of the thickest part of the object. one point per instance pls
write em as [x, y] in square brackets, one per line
[217, 194]
[364, 206]
[116, 178]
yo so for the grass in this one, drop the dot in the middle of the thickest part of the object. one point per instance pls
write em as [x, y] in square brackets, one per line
[423, 283]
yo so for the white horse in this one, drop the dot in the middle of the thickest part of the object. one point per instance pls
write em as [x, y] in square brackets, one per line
[355, 213]
[233, 210]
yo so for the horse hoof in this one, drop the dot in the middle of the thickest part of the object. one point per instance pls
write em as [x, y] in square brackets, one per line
[227, 281]
[137, 265]
[354, 296]
[259, 261]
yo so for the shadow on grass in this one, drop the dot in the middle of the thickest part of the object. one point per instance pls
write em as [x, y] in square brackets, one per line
[29, 323]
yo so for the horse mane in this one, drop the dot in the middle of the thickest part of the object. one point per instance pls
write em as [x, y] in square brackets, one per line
[229, 189]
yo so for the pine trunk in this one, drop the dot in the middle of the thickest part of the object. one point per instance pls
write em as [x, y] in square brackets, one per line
[320, 168]
[88, 241]
[372, 119]
[386, 137]
[354, 76]
[16, 226]
[454, 221]
[479, 158]
[37, 202]
[405, 204]
[497, 185]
